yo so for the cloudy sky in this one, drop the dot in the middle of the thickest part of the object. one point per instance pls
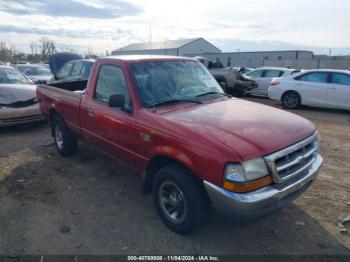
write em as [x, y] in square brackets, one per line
[316, 25]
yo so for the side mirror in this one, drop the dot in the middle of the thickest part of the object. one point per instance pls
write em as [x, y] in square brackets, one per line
[119, 101]
[116, 101]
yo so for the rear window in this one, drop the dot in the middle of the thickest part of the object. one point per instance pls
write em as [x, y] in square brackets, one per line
[273, 73]
[77, 68]
[65, 70]
[255, 73]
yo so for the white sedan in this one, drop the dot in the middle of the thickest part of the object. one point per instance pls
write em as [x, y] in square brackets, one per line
[319, 88]
[264, 75]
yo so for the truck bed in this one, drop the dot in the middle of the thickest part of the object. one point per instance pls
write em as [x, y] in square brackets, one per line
[63, 101]
[71, 86]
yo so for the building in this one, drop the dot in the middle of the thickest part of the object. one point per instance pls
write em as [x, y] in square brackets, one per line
[257, 59]
[181, 47]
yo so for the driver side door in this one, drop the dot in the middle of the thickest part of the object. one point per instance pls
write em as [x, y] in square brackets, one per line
[112, 130]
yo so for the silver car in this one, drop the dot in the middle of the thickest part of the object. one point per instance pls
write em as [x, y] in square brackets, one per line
[18, 104]
[38, 73]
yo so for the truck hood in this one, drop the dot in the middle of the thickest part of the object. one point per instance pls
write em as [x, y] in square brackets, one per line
[12, 93]
[249, 129]
[56, 61]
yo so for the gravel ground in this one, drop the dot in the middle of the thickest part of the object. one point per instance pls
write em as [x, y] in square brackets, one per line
[89, 204]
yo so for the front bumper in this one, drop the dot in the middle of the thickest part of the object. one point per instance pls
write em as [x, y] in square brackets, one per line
[22, 115]
[252, 205]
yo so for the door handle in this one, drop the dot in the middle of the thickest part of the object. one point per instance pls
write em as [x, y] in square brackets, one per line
[333, 88]
[90, 111]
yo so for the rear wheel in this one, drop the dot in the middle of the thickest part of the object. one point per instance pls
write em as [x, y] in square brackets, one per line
[66, 143]
[179, 198]
[291, 100]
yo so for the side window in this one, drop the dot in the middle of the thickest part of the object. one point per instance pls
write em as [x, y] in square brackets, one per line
[316, 77]
[111, 81]
[273, 73]
[340, 79]
[65, 70]
[77, 69]
[255, 74]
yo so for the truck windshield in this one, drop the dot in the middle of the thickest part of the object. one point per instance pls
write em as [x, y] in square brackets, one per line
[162, 81]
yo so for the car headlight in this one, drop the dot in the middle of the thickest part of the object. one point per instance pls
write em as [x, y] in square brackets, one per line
[247, 176]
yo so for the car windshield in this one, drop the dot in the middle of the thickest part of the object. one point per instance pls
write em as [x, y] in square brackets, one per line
[11, 76]
[35, 70]
[163, 81]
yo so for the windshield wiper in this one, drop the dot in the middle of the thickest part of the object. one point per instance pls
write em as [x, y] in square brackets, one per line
[175, 101]
[214, 93]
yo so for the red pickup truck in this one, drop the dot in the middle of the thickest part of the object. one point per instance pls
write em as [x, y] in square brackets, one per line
[167, 119]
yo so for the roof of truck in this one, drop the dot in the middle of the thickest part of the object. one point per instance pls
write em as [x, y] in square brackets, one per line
[147, 57]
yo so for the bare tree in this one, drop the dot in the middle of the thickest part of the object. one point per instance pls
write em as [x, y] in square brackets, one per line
[34, 48]
[47, 47]
[6, 52]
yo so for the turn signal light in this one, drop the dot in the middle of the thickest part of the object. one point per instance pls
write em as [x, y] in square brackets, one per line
[247, 186]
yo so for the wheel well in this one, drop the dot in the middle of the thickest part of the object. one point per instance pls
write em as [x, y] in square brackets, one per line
[53, 113]
[291, 91]
[154, 165]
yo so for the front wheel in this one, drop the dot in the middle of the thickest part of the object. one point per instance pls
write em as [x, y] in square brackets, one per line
[179, 198]
[291, 100]
[66, 143]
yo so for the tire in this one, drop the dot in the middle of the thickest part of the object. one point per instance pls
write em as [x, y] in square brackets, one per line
[175, 188]
[291, 100]
[66, 143]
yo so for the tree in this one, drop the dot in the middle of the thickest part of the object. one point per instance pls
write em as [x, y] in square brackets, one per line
[6, 52]
[47, 47]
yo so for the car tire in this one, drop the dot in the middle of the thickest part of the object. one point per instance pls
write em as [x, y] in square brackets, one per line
[291, 100]
[179, 198]
[66, 143]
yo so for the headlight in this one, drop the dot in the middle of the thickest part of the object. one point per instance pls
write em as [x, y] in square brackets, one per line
[248, 176]
[247, 171]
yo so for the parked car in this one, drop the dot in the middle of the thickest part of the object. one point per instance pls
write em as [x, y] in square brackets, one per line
[231, 80]
[18, 104]
[68, 70]
[264, 75]
[168, 119]
[37, 73]
[320, 88]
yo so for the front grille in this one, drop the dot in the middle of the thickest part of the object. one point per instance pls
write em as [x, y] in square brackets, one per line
[293, 160]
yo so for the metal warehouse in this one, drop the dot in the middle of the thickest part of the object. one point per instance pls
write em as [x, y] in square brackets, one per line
[181, 47]
[259, 58]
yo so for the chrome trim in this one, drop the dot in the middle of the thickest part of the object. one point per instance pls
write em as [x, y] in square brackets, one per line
[286, 152]
[262, 201]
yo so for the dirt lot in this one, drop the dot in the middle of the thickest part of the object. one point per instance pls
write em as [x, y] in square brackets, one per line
[89, 204]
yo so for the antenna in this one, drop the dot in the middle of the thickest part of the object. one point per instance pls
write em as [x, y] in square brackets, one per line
[153, 95]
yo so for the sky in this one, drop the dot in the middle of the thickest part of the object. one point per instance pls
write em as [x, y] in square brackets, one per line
[231, 25]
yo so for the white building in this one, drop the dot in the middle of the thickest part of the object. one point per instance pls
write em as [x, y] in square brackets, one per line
[181, 47]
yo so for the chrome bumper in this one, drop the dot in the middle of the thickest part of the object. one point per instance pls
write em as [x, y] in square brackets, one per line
[252, 205]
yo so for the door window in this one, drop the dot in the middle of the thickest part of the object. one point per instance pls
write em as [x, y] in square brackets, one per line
[340, 79]
[65, 70]
[111, 81]
[316, 77]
